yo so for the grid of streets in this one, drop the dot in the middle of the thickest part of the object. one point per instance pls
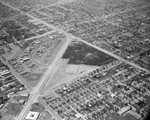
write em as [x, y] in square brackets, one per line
[35, 34]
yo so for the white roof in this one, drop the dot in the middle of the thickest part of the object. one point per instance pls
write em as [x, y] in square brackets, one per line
[123, 110]
[32, 115]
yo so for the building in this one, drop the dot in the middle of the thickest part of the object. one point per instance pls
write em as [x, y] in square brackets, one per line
[138, 116]
[32, 115]
[123, 110]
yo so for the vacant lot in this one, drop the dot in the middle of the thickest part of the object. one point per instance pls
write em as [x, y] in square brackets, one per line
[80, 53]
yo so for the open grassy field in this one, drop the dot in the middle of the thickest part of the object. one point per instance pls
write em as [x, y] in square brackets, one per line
[80, 53]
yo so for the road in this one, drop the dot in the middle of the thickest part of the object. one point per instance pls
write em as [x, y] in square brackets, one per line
[115, 56]
[48, 109]
[103, 50]
[24, 82]
[36, 92]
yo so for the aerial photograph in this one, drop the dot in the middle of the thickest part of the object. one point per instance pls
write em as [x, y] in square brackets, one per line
[74, 59]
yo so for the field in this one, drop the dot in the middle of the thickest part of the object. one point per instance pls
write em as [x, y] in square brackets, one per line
[80, 53]
[78, 59]
[82, 83]
[13, 53]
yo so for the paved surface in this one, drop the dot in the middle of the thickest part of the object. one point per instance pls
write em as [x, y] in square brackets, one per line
[36, 92]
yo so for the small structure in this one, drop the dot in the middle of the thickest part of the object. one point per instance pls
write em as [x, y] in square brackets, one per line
[135, 114]
[32, 115]
[123, 110]
[22, 102]
[24, 94]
